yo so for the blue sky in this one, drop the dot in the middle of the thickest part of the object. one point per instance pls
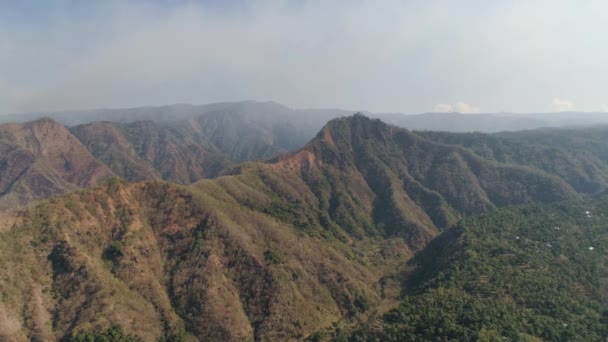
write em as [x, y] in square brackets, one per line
[390, 56]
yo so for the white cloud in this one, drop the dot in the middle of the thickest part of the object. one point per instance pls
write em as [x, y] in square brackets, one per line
[443, 108]
[458, 107]
[561, 105]
[604, 107]
[466, 108]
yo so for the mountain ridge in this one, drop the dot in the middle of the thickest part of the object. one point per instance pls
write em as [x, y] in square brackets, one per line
[308, 241]
[316, 117]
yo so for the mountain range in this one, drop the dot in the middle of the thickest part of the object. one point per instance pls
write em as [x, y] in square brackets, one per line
[184, 151]
[309, 121]
[227, 226]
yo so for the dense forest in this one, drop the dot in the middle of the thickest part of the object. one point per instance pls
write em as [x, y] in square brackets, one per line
[527, 273]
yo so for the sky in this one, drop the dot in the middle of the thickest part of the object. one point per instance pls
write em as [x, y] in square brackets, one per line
[408, 56]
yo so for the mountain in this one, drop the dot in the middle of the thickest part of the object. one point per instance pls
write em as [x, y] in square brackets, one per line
[304, 123]
[210, 145]
[261, 112]
[123, 115]
[40, 159]
[404, 183]
[147, 150]
[310, 241]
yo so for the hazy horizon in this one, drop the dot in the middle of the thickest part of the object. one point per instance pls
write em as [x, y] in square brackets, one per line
[395, 57]
[304, 108]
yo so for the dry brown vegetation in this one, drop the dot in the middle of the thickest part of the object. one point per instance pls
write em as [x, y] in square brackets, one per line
[144, 254]
[41, 159]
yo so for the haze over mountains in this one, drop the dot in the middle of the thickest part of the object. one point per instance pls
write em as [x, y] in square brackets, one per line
[315, 243]
[314, 119]
[481, 214]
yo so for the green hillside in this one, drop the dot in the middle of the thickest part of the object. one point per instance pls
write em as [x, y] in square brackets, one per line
[527, 273]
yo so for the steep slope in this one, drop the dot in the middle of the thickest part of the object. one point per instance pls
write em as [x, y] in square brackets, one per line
[147, 150]
[529, 273]
[40, 159]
